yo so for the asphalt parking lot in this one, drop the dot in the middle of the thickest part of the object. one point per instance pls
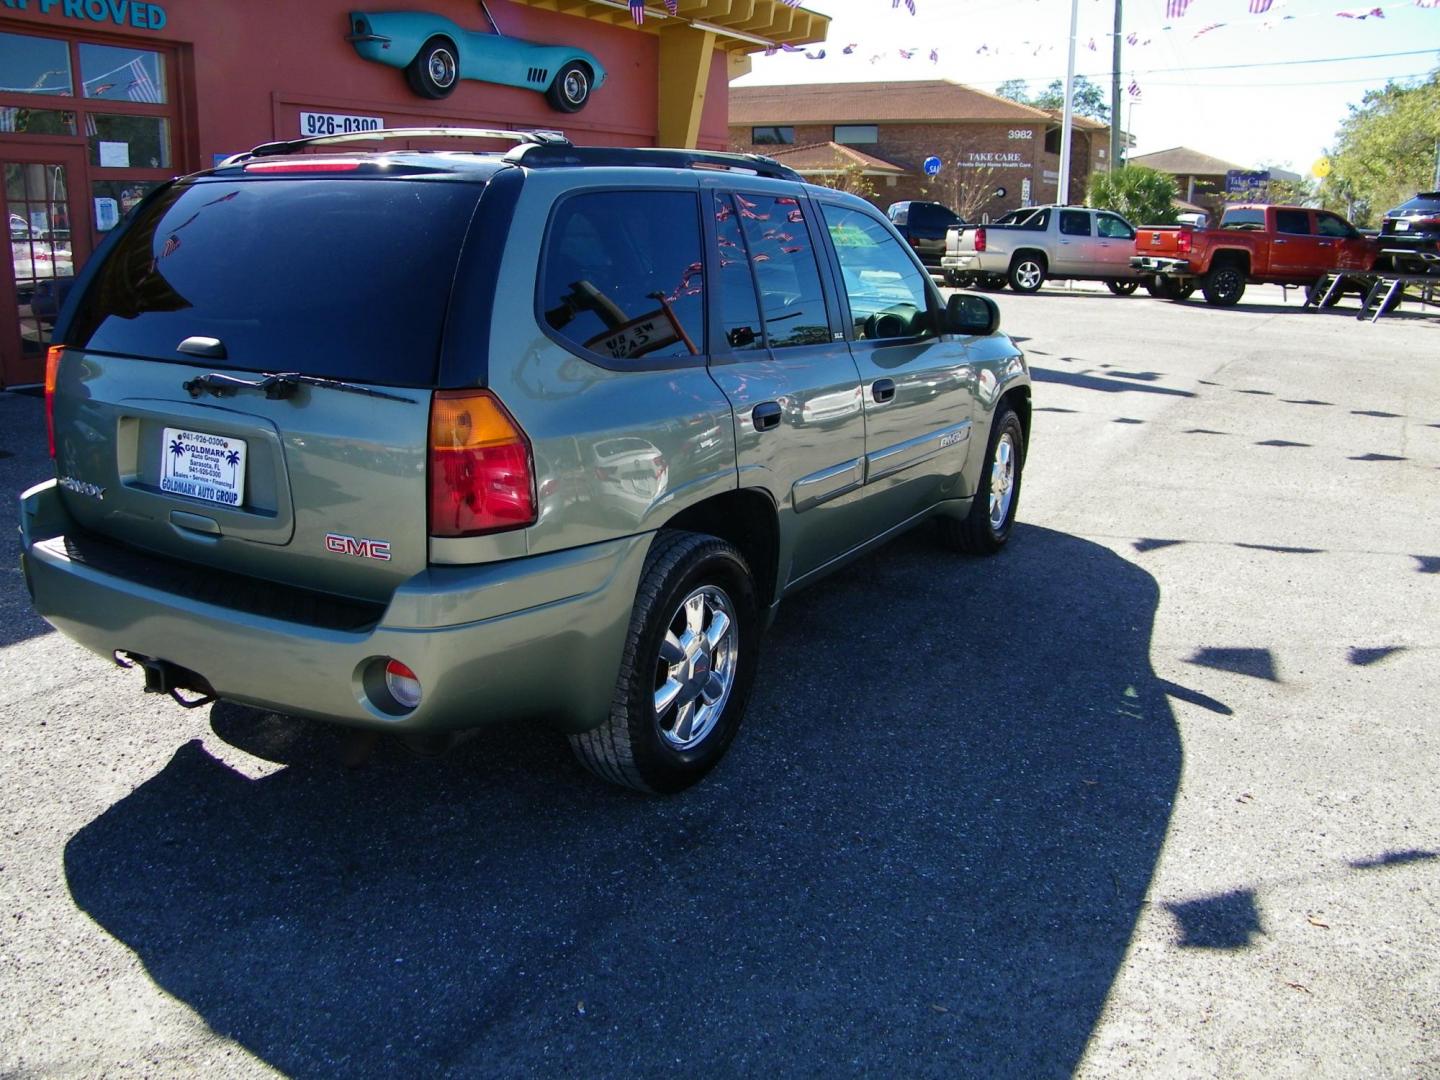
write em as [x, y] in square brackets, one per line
[1150, 794]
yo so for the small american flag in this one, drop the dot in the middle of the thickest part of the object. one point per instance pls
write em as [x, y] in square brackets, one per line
[934, 56]
[1427, 3]
[1133, 90]
[672, 6]
[1174, 9]
[1260, 7]
[142, 87]
[637, 11]
[909, 5]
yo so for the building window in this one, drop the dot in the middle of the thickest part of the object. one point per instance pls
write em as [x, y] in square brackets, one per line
[1052, 141]
[772, 136]
[856, 134]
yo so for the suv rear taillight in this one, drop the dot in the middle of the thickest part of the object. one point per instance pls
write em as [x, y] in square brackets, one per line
[980, 239]
[52, 373]
[482, 475]
[1185, 242]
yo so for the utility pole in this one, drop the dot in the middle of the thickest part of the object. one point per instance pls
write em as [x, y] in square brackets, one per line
[1064, 192]
[1115, 96]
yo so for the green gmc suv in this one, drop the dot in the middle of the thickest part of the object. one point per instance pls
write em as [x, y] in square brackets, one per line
[419, 440]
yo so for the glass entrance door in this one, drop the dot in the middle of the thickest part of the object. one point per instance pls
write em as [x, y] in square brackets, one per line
[49, 238]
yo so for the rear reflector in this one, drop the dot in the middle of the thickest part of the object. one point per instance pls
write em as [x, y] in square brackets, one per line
[402, 684]
[292, 165]
[482, 478]
[52, 373]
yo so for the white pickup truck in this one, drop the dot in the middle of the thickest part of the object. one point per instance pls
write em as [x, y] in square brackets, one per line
[1028, 246]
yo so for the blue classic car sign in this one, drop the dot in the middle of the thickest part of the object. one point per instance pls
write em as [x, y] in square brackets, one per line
[436, 53]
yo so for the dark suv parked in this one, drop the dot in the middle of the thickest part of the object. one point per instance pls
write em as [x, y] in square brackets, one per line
[417, 441]
[923, 226]
[1414, 227]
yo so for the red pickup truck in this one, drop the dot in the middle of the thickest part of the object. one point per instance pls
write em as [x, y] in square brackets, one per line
[1270, 245]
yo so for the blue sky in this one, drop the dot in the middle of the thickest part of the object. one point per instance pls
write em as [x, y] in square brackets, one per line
[1283, 114]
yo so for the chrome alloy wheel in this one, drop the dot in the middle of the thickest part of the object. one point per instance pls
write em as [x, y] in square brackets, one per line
[695, 670]
[1002, 482]
[1028, 275]
[575, 86]
[442, 68]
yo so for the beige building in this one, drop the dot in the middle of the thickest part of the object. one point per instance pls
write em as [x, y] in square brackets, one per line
[996, 154]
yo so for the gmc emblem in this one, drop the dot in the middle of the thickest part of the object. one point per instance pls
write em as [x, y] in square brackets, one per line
[362, 549]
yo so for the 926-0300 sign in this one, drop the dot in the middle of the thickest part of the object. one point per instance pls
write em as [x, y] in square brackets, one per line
[319, 123]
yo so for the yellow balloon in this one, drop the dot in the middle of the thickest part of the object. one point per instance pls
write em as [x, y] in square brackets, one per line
[1320, 169]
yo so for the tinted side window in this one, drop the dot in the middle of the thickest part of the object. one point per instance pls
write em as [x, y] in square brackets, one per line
[1113, 227]
[888, 297]
[1035, 222]
[1293, 222]
[1074, 223]
[739, 312]
[1330, 225]
[623, 276]
[791, 299]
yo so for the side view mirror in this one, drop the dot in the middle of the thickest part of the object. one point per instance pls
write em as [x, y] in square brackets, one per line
[967, 313]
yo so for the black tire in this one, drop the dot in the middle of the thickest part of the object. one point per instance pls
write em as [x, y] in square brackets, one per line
[632, 747]
[990, 282]
[570, 90]
[1122, 287]
[976, 533]
[1164, 288]
[1333, 299]
[1027, 272]
[435, 70]
[1223, 285]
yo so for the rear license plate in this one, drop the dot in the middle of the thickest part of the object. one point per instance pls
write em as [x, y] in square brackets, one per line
[209, 467]
[1402, 226]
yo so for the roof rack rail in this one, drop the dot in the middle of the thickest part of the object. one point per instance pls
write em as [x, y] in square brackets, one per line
[289, 146]
[542, 155]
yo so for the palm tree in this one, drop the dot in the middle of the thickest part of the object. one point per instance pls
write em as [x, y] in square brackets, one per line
[177, 449]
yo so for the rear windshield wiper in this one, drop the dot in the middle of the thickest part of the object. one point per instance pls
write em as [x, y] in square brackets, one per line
[279, 386]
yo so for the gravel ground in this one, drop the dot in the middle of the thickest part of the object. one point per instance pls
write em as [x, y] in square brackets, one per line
[1150, 794]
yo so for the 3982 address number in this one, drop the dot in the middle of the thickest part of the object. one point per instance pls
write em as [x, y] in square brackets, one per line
[313, 124]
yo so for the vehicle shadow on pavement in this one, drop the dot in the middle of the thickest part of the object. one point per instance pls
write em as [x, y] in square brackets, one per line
[925, 855]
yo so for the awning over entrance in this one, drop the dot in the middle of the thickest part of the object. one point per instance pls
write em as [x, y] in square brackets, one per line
[739, 25]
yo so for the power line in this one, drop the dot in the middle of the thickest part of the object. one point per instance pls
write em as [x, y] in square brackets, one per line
[1253, 85]
[1229, 67]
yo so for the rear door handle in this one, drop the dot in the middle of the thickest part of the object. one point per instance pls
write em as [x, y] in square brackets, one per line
[883, 390]
[766, 416]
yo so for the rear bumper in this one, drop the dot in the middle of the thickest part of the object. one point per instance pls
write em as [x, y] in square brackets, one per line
[1154, 264]
[534, 638]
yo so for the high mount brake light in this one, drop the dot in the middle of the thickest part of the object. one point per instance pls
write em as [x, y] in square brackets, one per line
[292, 165]
[482, 474]
[52, 374]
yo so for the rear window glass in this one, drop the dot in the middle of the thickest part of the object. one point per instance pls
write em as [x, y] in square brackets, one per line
[336, 278]
[1420, 202]
[1243, 219]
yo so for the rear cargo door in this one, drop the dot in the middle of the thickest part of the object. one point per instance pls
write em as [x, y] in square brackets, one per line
[247, 378]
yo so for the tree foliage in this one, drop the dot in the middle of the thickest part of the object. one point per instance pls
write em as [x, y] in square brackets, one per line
[967, 191]
[1385, 148]
[1089, 98]
[1141, 196]
[848, 176]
